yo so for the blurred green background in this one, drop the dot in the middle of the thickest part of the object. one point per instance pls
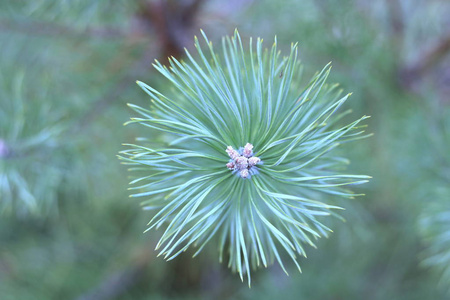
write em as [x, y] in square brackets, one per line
[67, 69]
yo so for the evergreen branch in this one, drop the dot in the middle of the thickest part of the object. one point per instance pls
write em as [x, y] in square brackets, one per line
[251, 159]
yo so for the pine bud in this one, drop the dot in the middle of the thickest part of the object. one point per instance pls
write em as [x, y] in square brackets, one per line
[244, 173]
[253, 161]
[232, 153]
[247, 152]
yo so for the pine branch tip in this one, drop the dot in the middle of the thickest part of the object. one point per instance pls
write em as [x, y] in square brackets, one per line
[172, 163]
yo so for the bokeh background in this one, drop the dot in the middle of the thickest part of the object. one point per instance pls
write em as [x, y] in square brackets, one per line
[67, 69]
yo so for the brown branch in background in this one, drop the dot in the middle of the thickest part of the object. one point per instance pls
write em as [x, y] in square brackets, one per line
[53, 29]
[190, 11]
[397, 24]
[396, 17]
[428, 59]
[172, 21]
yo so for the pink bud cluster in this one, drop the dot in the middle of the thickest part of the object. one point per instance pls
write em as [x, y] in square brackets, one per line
[243, 161]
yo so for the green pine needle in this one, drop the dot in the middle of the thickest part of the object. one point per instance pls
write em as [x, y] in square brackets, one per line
[255, 202]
